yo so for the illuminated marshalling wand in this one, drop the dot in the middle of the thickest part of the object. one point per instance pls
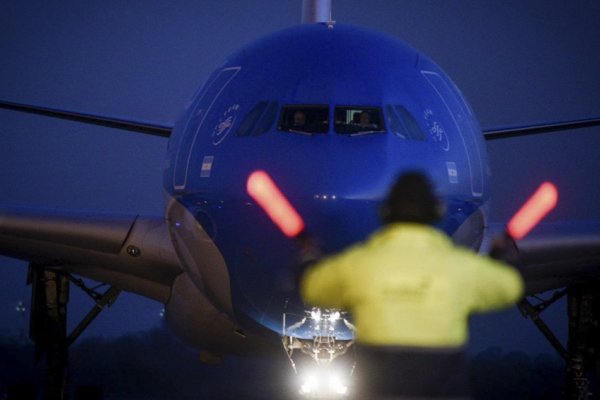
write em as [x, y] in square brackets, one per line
[533, 211]
[265, 192]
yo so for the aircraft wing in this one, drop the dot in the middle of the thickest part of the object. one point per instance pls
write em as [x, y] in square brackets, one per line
[556, 254]
[132, 253]
[146, 127]
[563, 254]
[534, 129]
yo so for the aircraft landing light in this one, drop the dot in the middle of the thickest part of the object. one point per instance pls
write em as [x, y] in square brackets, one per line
[533, 211]
[263, 190]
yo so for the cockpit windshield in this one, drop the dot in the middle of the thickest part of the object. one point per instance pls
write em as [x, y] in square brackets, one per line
[358, 120]
[305, 119]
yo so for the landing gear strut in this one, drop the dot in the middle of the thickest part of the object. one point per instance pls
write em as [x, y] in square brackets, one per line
[50, 295]
[583, 349]
[48, 327]
[583, 339]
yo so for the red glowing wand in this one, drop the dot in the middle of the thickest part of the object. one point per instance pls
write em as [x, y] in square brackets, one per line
[263, 190]
[533, 211]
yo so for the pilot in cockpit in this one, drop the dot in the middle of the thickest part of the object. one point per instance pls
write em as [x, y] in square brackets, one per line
[299, 121]
[364, 121]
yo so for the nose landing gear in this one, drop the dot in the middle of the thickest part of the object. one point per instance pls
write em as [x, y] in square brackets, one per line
[318, 346]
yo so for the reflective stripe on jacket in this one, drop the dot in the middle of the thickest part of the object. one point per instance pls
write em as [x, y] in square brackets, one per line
[408, 285]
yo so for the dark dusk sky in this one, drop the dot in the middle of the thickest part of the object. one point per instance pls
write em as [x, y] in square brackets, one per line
[517, 62]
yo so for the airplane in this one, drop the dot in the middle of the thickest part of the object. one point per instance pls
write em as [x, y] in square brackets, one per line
[215, 260]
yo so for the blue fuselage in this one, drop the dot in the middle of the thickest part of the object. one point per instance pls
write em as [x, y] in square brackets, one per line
[333, 171]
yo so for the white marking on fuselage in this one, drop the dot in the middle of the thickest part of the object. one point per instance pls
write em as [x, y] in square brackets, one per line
[436, 130]
[452, 171]
[471, 152]
[207, 163]
[232, 71]
[224, 125]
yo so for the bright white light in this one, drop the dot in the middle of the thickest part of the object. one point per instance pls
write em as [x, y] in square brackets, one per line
[305, 389]
[316, 315]
[310, 385]
[336, 385]
[323, 382]
[335, 316]
[20, 307]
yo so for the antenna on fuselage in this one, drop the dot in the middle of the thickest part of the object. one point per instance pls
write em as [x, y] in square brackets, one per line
[317, 11]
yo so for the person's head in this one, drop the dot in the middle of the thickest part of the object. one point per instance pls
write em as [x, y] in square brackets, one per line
[364, 119]
[299, 118]
[412, 199]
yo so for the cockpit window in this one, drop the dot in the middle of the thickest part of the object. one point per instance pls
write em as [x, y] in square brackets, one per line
[403, 124]
[358, 120]
[259, 119]
[305, 119]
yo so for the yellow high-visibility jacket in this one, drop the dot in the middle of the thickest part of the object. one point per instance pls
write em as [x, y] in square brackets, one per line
[409, 285]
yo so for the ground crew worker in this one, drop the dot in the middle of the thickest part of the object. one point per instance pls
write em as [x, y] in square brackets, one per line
[411, 291]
